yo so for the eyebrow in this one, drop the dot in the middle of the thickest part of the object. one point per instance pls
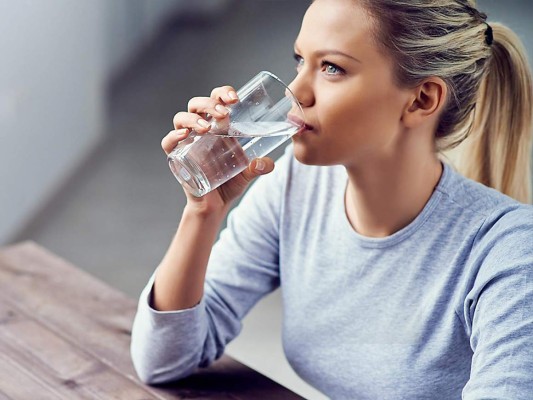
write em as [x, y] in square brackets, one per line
[321, 53]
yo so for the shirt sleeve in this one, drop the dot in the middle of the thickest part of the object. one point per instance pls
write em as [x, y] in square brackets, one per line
[499, 310]
[243, 267]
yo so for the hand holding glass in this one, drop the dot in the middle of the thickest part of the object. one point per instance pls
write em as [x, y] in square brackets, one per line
[266, 115]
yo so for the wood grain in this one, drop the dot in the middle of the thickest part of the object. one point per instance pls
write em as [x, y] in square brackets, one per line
[65, 334]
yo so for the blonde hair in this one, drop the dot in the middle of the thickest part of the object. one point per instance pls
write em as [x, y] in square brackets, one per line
[485, 128]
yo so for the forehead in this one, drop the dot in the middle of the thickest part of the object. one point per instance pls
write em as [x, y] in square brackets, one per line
[339, 24]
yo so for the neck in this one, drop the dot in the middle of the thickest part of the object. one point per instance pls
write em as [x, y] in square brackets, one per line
[385, 196]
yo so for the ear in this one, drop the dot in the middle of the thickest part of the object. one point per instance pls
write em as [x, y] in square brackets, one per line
[426, 103]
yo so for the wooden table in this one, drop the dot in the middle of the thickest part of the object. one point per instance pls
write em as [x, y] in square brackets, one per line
[66, 335]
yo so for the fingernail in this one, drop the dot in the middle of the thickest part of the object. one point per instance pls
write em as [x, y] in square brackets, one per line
[259, 165]
[221, 109]
[203, 123]
[181, 132]
[232, 95]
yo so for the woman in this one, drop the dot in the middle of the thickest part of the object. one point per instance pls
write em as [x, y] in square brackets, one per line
[402, 279]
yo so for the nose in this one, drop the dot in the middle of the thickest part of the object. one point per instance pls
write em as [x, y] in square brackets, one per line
[302, 90]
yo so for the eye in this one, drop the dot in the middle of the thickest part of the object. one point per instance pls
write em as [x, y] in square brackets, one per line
[299, 61]
[332, 69]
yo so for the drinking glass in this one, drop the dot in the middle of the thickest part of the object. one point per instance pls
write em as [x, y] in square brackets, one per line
[266, 115]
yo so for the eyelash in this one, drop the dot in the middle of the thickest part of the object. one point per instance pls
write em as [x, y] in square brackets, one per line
[323, 63]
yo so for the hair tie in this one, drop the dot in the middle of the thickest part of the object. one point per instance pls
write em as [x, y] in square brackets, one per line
[488, 34]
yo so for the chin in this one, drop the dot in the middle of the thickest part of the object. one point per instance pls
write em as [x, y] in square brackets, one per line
[307, 155]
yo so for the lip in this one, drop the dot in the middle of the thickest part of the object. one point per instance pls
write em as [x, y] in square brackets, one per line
[300, 122]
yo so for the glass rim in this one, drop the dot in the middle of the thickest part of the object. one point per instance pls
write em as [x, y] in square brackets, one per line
[295, 99]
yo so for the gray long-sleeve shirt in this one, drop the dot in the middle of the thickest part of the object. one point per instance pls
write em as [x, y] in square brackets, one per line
[440, 309]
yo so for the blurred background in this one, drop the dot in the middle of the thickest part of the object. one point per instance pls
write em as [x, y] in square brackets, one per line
[87, 91]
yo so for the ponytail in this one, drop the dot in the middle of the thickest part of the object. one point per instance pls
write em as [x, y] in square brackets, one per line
[497, 151]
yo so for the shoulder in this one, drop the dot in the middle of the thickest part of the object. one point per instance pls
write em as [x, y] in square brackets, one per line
[507, 235]
[475, 197]
[494, 211]
[503, 246]
[469, 211]
[501, 226]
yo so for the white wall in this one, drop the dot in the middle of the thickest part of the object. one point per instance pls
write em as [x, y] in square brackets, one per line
[514, 13]
[51, 87]
[132, 23]
[57, 57]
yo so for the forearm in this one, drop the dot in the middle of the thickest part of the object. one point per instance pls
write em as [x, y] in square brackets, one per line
[179, 279]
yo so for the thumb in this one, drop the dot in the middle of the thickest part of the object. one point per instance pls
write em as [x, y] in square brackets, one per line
[259, 166]
[236, 186]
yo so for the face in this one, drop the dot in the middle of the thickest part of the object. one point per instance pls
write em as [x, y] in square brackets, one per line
[345, 86]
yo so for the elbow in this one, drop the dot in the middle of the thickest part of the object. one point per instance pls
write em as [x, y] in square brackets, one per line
[161, 356]
[152, 377]
[146, 371]
[146, 376]
[155, 371]
[156, 375]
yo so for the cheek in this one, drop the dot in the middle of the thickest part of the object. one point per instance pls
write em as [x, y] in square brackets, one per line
[346, 115]
[365, 112]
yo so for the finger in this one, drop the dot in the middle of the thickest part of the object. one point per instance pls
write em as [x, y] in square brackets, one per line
[237, 185]
[225, 94]
[170, 141]
[259, 166]
[190, 120]
[207, 105]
